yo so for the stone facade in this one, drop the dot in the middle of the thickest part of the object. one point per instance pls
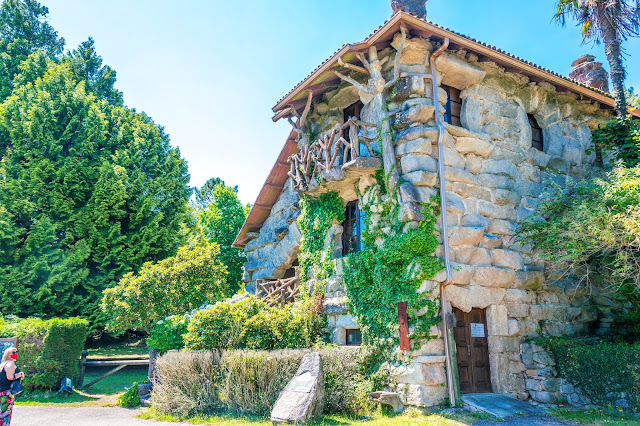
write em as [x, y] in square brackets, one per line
[494, 180]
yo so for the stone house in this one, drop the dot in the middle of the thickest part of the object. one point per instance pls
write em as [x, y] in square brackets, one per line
[503, 128]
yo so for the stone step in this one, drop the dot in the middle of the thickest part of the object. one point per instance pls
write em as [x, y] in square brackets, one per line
[498, 405]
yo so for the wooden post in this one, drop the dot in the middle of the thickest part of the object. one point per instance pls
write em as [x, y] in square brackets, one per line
[453, 357]
[403, 323]
[83, 359]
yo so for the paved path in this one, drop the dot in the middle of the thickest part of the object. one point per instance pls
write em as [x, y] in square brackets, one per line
[26, 415]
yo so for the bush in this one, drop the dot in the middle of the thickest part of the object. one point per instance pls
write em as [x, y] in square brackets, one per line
[252, 380]
[250, 324]
[188, 383]
[604, 371]
[221, 325]
[171, 286]
[345, 381]
[49, 350]
[249, 382]
[168, 334]
[130, 398]
[591, 229]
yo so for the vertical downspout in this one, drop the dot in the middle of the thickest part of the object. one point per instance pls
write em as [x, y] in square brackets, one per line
[445, 227]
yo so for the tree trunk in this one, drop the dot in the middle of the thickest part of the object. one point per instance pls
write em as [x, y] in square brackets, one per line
[614, 56]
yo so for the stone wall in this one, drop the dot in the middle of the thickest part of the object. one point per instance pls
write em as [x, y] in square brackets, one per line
[273, 249]
[495, 179]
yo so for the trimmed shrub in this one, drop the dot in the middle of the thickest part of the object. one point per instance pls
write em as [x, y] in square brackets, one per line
[250, 324]
[252, 380]
[188, 383]
[604, 371]
[49, 349]
[168, 334]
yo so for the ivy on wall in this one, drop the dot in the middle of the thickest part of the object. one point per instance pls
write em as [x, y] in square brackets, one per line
[394, 262]
[315, 220]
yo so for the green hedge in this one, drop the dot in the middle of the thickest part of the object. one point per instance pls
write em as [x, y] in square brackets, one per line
[251, 324]
[604, 371]
[48, 349]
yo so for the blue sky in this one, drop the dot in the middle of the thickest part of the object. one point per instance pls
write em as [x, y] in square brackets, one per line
[210, 71]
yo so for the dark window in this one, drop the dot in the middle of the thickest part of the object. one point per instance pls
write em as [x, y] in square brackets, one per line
[536, 133]
[291, 272]
[353, 337]
[354, 110]
[352, 229]
[453, 106]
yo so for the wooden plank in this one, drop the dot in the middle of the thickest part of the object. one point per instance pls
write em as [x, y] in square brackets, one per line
[115, 370]
[83, 359]
[403, 323]
[124, 362]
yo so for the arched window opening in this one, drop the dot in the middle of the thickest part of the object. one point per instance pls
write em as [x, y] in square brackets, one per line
[536, 133]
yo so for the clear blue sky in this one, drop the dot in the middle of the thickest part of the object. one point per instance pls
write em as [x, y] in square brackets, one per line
[210, 70]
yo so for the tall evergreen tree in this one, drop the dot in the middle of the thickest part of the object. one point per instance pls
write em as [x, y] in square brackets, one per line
[89, 190]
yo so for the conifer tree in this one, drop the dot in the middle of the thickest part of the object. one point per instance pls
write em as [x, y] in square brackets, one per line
[89, 189]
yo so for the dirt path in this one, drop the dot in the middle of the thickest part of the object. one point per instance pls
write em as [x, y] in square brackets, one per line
[27, 415]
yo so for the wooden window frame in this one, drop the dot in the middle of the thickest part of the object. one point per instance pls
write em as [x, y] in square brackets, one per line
[453, 106]
[352, 221]
[537, 139]
[357, 332]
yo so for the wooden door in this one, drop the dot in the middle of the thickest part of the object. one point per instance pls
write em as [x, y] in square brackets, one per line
[470, 334]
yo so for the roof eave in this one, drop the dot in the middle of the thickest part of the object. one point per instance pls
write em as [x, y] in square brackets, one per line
[416, 23]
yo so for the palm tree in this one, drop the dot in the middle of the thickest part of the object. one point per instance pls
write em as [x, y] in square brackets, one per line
[414, 7]
[609, 21]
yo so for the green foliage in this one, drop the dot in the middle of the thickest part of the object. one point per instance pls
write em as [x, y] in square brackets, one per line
[49, 350]
[604, 371]
[89, 189]
[590, 230]
[621, 137]
[130, 398]
[316, 217]
[168, 334]
[172, 286]
[250, 323]
[633, 100]
[394, 262]
[23, 30]
[221, 219]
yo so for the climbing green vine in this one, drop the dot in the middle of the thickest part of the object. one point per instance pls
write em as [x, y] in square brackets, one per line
[316, 217]
[394, 262]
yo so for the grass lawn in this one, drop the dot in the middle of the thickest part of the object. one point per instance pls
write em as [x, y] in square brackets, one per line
[135, 349]
[103, 393]
[596, 417]
[410, 418]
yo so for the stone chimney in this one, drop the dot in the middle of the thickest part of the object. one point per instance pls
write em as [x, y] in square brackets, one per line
[588, 71]
[414, 7]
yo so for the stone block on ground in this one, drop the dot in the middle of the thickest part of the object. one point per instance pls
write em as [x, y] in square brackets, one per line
[302, 400]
